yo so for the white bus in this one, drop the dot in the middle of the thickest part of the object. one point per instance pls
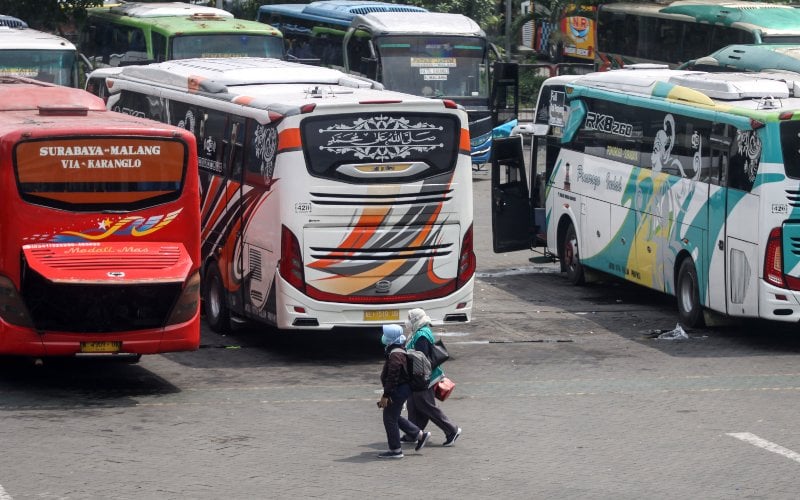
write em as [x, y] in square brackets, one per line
[326, 201]
[39, 55]
[684, 182]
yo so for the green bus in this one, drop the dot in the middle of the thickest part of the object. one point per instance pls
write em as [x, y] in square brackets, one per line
[141, 33]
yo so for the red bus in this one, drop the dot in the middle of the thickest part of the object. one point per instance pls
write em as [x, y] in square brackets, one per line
[100, 221]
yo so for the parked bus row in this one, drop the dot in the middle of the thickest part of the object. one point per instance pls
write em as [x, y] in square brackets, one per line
[304, 198]
[685, 182]
[616, 34]
[406, 48]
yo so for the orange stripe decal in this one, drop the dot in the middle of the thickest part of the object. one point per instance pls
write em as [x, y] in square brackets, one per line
[464, 144]
[289, 139]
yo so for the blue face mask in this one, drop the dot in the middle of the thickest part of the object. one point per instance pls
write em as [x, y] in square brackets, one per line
[384, 340]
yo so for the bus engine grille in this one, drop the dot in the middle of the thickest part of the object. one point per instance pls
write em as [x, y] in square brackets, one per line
[94, 308]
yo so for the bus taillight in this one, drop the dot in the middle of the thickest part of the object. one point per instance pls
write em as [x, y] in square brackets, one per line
[291, 266]
[12, 308]
[466, 260]
[186, 307]
[773, 259]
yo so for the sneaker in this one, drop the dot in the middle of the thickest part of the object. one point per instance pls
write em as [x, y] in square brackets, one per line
[421, 442]
[452, 439]
[391, 454]
[405, 438]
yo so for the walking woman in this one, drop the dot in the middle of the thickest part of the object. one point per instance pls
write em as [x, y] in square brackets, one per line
[396, 390]
[422, 405]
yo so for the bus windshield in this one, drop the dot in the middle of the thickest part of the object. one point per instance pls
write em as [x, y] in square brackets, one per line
[440, 66]
[53, 66]
[227, 45]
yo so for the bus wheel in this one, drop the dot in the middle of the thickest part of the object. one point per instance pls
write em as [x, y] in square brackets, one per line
[690, 312]
[216, 309]
[570, 259]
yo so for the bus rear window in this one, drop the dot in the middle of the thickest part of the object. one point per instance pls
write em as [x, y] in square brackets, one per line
[334, 140]
[97, 173]
[790, 145]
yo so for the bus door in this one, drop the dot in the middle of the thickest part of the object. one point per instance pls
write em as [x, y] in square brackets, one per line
[739, 216]
[511, 204]
[505, 92]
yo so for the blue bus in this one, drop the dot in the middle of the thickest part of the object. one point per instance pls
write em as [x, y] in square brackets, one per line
[407, 49]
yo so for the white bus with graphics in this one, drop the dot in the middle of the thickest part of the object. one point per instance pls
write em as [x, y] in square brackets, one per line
[685, 182]
[326, 201]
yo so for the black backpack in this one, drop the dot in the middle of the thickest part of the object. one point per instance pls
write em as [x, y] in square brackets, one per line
[419, 369]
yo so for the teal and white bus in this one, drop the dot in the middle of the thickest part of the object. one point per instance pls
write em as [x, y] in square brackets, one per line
[411, 50]
[685, 182]
[674, 33]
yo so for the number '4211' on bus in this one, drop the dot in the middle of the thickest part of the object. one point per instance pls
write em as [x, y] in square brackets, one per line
[100, 217]
[682, 181]
[326, 201]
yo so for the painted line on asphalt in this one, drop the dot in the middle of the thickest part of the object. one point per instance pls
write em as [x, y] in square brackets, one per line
[3, 494]
[767, 445]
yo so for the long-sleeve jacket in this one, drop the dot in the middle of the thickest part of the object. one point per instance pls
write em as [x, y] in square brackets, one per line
[395, 371]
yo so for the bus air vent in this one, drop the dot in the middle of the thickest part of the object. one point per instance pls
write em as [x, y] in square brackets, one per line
[63, 110]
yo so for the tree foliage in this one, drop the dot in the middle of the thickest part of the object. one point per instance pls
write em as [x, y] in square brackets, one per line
[48, 15]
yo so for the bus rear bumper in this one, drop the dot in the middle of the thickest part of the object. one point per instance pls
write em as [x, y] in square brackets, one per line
[301, 312]
[778, 304]
[22, 342]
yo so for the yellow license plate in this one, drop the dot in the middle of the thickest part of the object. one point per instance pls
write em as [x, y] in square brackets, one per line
[382, 315]
[111, 346]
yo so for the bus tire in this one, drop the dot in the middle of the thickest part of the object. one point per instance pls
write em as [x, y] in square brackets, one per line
[687, 291]
[570, 258]
[214, 304]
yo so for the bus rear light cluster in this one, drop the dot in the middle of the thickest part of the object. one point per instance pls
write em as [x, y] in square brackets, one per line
[291, 265]
[466, 259]
[188, 303]
[12, 308]
[773, 262]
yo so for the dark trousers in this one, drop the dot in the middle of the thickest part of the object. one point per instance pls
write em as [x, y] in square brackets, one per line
[422, 407]
[393, 421]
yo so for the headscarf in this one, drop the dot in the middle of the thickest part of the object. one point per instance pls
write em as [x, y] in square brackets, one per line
[393, 334]
[417, 319]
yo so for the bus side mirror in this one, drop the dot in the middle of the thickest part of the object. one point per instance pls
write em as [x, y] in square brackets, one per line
[577, 114]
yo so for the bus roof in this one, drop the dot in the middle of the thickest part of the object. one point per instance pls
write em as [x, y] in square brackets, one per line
[429, 23]
[261, 83]
[771, 92]
[19, 93]
[12, 22]
[173, 20]
[770, 18]
[25, 38]
[339, 12]
[756, 57]
[164, 9]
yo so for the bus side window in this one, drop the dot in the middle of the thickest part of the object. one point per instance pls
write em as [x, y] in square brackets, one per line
[211, 143]
[744, 159]
[234, 147]
[720, 155]
[159, 46]
[696, 40]
[261, 144]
